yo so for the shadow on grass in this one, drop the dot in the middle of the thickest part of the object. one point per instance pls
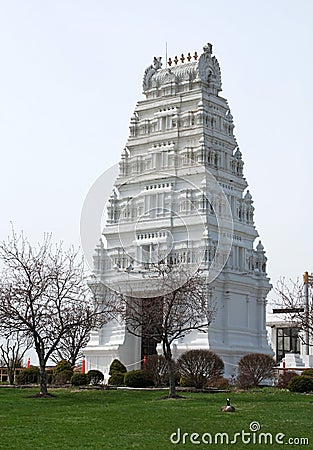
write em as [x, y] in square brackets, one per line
[39, 395]
[171, 397]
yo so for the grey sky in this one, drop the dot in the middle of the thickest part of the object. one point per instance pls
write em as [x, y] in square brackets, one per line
[71, 74]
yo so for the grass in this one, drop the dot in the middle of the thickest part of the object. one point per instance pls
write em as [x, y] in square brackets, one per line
[118, 419]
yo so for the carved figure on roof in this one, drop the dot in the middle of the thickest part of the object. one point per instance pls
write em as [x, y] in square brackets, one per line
[157, 64]
[209, 68]
[150, 71]
[208, 48]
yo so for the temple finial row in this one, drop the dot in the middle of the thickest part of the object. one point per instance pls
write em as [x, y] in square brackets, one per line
[182, 58]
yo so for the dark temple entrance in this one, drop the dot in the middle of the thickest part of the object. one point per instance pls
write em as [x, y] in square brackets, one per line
[152, 322]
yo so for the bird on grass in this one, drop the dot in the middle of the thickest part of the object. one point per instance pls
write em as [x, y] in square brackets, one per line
[228, 407]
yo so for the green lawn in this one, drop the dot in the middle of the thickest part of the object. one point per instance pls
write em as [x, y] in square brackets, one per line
[137, 419]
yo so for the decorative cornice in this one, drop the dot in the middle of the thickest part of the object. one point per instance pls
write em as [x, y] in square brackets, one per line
[205, 68]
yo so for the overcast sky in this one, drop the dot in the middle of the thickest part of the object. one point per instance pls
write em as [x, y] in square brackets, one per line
[71, 74]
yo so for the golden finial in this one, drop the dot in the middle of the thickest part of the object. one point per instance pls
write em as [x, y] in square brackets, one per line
[195, 56]
[189, 56]
[175, 60]
[169, 61]
[182, 58]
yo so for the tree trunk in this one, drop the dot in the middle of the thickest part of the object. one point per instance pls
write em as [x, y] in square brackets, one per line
[43, 377]
[73, 357]
[11, 375]
[171, 369]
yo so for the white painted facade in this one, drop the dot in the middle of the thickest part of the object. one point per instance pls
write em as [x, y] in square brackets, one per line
[163, 207]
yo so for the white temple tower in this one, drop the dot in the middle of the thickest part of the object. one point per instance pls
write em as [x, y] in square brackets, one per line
[180, 172]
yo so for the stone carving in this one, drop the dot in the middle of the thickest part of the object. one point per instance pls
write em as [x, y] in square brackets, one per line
[208, 48]
[157, 64]
[209, 68]
[150, 71]
[169, 78]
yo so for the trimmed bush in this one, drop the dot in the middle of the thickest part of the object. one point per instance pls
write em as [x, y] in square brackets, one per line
[28, 376]
[116, 379]
[95, 377]
[62, 372]
[137, 379]
[63, 377]
[198, 367]
[79, 379]
[301, 383]
[156, 370]
[61, 366]
[117, 367]
[254, 368]
[307, 373]
[284, 379]
[117, 371]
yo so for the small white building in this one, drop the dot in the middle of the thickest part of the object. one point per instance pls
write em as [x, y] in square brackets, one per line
[181, 196]
[288, 343]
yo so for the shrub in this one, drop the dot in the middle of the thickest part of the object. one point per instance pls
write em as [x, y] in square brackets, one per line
[283, 379]
[185, 382]
[244, 382]
[117, 367]
[198, 367]
[50, 376]
[95, 377]
[63, 377]
[79, 379]
[117, 371]
[156, 370]
[219, 383]
[177, 379]
[254, 368]
[62, 372]
[116, 379]
[137, 379]
[307, 372]
[61, 366]
[301, 383]
[28, 376]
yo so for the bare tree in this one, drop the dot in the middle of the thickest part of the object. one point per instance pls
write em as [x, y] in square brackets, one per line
[12, 351]
[181, 307]
[43, 291]
[71, 344]
[292, 305]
